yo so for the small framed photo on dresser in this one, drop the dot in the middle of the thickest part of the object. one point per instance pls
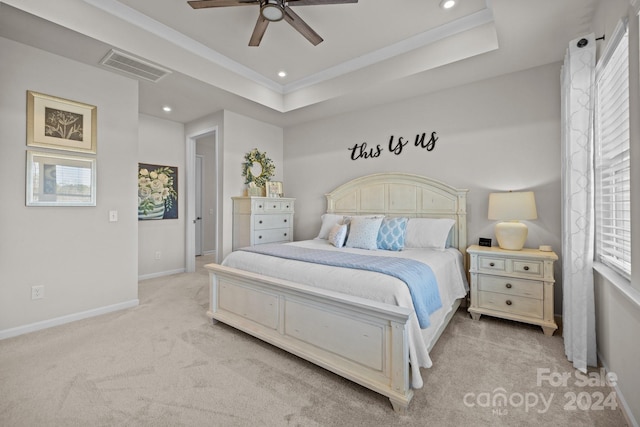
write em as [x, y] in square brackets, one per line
[274, 189]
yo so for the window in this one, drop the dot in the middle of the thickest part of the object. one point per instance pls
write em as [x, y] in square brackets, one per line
[612, 157]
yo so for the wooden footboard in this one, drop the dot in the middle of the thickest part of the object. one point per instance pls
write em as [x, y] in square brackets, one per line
[358, 339]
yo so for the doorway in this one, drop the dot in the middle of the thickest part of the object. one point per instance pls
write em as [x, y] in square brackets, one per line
[203, 189]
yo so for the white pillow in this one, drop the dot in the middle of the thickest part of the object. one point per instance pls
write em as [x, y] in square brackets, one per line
[328, 221]
[363, 232]
[338, 235]
[428, 232]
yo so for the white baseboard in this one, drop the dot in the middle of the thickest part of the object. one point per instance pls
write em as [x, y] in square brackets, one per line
[160, 274]
[32, 327]
[626, 410]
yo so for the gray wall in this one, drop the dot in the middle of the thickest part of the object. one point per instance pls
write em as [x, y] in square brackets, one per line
[86, 263]
[161, 142]
[495, 135]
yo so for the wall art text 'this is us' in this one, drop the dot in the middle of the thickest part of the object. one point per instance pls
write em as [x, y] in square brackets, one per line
[395, 146]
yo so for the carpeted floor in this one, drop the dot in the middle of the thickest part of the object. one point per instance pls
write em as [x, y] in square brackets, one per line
[164, 364]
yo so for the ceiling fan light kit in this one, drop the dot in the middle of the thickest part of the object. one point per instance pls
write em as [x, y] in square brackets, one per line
[273, 11]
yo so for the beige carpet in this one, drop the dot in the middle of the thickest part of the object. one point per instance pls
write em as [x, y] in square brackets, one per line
[164, 364]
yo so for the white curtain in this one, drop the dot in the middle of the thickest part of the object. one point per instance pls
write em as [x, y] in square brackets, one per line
[578, 77]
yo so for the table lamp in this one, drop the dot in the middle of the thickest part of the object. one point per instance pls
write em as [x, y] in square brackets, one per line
[511, 208]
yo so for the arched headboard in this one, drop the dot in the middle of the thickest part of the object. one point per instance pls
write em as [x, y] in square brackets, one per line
[402, 194]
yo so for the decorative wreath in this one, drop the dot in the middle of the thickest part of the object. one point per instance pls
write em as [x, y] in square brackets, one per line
[268, 169]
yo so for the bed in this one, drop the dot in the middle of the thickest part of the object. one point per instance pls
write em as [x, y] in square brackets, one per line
[368, 334]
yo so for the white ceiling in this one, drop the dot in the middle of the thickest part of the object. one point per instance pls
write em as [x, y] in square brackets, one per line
[374, 51]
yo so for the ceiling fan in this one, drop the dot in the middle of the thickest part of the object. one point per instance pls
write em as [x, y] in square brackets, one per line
[273, 11]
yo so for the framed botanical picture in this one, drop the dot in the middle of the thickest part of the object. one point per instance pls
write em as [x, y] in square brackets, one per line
[157, 192]
[274, 189]
[60, 123]
[60, 180]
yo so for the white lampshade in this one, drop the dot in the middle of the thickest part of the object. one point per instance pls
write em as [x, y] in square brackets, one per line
[512, 207]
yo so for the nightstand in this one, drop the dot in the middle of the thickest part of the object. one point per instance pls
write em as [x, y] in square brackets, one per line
[515, 285]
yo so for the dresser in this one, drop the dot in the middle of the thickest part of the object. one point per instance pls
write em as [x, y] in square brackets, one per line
[259, 220]
[515, 285]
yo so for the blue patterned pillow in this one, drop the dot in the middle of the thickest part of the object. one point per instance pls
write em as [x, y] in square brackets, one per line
[338, 235]
[391, 234]
[363, 233]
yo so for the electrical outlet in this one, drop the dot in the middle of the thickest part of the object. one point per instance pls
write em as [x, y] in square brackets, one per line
[158, 254]
[113, 216]
[37, 292]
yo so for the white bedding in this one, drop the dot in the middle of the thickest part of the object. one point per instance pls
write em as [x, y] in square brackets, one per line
[447, 266]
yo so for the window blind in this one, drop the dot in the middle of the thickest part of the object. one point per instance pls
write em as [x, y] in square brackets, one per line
[612, 161]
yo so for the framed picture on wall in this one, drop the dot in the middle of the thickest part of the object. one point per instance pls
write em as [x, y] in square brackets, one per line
[61, 123]
[60, 180]
[274, 189]
[157, 192]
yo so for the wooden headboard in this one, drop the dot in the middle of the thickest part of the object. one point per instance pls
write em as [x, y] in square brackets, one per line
[402, 194]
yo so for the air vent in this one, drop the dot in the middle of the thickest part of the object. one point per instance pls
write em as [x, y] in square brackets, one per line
[134, 66]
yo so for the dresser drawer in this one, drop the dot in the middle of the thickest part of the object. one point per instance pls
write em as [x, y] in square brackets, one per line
[511, 286]
[486, 263]
[271, 236]
[512, 304]
[264, 222]
[528, 267]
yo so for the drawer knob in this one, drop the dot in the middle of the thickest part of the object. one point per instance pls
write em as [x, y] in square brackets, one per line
[509, 302]
[260, 206]
[285, 220]
[259, 237]
[526, 268]
[492, 264]
[260, 222]
[508, 285]
[274, 206]
[285, 234]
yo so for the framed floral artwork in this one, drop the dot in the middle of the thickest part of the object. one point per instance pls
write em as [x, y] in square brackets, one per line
[157, 192]
[60, 180]
[61, 123]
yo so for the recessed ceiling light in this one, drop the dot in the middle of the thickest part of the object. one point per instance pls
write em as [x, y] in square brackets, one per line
[166, 108]
[447, 4]
[282, 74]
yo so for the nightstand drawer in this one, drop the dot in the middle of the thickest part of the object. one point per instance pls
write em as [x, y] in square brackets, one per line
[511, 286]
[491, 264]
[534, 268]
[513, 304]
[271, 236]
[264, 222]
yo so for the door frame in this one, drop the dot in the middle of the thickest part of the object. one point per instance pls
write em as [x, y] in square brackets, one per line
[190, 211]
[199, 164]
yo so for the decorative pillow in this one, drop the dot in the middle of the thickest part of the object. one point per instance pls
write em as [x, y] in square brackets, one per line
[363, 232]
[392, 233]
[338, 235]
[328, 221]
[428, 232]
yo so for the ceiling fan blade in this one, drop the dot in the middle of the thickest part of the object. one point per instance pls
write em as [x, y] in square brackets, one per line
[258, 31]
[319, 2]
[301, 26]
[202, 4]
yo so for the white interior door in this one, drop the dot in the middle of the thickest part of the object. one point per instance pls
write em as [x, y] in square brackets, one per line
[198, 219]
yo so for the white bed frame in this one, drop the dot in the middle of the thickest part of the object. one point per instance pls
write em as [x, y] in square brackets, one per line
[359, 339]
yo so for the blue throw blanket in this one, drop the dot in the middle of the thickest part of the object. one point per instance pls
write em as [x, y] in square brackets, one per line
[418, 276]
